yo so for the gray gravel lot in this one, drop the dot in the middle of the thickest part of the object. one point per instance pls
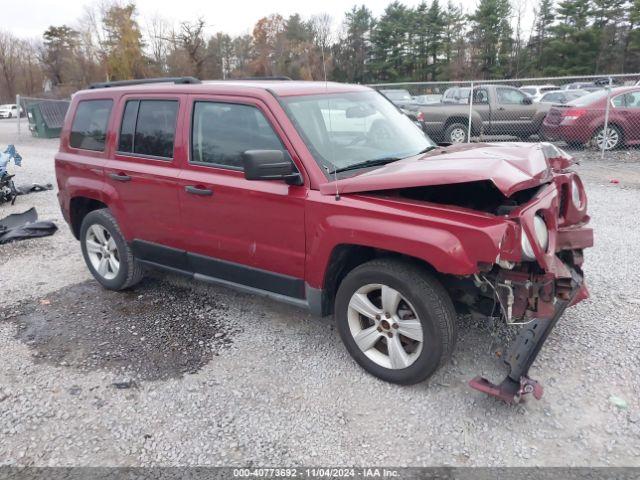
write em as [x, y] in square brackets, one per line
[178, 373]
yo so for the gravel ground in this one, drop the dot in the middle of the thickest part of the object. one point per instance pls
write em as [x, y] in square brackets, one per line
[178, 373]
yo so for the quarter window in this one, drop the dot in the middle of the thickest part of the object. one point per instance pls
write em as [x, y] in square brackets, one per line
[222, 132]
[149, 127]
[89, 128]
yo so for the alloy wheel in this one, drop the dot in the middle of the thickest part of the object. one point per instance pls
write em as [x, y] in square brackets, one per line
[609, 139]
[102, 252]
[457, 135]
[385, 326]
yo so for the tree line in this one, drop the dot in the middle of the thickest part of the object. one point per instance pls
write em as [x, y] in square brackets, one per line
[432, 41]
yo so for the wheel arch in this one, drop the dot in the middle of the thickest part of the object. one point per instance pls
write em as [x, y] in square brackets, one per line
[79, 207]
[343, 259]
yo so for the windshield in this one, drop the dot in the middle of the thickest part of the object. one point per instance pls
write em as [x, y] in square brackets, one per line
[345, 129]
[397, 94]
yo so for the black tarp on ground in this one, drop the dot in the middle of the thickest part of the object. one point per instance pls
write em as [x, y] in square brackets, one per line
[20, 226]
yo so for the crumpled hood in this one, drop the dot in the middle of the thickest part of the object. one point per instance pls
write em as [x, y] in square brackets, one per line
[510, 166]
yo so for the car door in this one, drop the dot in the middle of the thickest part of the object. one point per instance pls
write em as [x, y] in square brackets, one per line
[481, 107]
[240, 231]
[143, 169]
[513, 113]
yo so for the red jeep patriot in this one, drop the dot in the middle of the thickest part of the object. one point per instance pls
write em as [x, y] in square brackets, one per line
[326, 196]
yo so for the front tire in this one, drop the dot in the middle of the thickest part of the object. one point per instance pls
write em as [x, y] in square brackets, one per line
[396, 320]
[106, 252]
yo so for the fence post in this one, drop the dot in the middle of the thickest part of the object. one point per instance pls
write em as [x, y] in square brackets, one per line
[19, 111]
[470, 112]
[605, 131]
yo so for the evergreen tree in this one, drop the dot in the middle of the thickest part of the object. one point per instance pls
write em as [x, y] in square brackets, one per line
[391, 43]
[544, 18]
[491, 37]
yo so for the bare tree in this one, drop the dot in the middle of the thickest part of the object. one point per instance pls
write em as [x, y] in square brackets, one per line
[159, 39]
[190, 38]
[9, 59]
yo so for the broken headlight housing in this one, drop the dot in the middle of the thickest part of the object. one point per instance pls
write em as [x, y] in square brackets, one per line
[576, 196]
[542, 237]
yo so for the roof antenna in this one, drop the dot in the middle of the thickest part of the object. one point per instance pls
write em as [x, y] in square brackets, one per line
[326, 87]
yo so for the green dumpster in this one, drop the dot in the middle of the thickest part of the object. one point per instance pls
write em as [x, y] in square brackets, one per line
[46, 117]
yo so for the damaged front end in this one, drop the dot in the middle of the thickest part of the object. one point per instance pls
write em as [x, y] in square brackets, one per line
[536, 276]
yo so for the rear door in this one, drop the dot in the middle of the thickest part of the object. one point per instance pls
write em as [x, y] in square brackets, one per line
[511, 114]
[143, 169]
[241, 231]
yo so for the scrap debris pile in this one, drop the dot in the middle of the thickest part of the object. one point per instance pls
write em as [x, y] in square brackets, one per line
[19, 226]
[8, 191]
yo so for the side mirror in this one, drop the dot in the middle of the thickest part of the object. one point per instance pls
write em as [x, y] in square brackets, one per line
[527, 101]
[269, 165]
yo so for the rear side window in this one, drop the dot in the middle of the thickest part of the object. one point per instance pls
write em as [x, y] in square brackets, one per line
[89, 128]
[149, 127]
[222, 132]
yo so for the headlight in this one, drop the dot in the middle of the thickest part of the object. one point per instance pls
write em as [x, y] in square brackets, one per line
[542, 237]
[575, 194]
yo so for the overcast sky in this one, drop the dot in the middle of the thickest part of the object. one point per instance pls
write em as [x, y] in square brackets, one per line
[29, 18]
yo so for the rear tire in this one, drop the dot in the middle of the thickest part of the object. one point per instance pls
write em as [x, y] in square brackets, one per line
[415, 339]
[456, 133]
[106, 252]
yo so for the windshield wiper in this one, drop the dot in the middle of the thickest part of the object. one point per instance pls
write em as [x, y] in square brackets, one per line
[428, 149]
[378, 161]
[365, 164]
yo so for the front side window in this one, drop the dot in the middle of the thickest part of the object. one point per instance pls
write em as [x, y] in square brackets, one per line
[222, 132]
[89, 128]
[481, 96]
[345, 129]
[510, 96]
[148, 128]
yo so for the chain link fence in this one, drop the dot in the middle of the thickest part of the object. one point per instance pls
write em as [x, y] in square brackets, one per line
[598, 112]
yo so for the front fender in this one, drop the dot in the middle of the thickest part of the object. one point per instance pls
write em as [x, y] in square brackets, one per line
[452, 240]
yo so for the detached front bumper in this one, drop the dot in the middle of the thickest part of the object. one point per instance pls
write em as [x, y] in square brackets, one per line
[527, 346]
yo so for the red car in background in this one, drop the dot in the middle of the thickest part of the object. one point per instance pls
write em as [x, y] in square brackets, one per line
[582, 120]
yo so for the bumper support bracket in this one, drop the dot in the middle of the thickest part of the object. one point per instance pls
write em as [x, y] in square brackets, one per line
[523, 353]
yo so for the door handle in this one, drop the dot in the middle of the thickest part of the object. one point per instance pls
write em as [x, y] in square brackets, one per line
[198, 190]
[120, 177]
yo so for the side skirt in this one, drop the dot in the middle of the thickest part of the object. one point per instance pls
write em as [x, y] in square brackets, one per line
[282, 288]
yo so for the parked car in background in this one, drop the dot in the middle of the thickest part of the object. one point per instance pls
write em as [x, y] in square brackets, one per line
[398, 96]
[561, 96]
[252, 186]
[9, 110]
[456, 95]
[428, 99]
[497, 110]
[588, 86]
[536, 91]
[582, 121]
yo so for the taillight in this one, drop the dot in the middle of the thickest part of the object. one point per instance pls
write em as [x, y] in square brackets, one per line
[420, 117]
[572, 115]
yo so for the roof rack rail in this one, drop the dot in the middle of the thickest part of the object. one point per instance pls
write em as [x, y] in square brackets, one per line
[267, 77]
[142, 81]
